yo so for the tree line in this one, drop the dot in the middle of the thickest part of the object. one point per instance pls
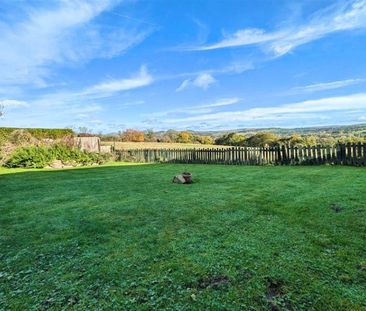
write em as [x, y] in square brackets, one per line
[259, 139]
[171, 136]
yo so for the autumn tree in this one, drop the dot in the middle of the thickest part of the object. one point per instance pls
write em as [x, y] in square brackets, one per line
[184, 137]
[205, 139]
[309, 140]
[132, 135]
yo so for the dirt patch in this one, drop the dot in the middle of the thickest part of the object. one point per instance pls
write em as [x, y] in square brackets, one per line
[214, 282]
[336, 207]
[274, 290]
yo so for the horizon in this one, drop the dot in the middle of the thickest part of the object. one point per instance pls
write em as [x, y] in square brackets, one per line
[111, 65]
[236, 130]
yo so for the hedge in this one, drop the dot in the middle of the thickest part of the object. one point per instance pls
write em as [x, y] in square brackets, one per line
[39, 133]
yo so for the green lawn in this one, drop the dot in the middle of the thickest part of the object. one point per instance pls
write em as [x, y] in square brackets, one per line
[239, 238]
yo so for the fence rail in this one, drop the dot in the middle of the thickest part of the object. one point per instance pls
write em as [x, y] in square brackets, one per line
[341, 154]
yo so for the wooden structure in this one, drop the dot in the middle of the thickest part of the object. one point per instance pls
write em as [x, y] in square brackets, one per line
[91, 144]
[341, 154]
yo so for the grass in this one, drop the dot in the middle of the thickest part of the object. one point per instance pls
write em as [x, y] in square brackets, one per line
[152, 145]
[239, 238]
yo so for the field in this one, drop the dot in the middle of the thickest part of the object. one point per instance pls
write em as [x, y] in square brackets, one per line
[240, 238]
[148, 145]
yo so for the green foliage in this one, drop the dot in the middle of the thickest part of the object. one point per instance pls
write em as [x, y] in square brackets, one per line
[262, 139]
[41, 156]
[239, 238]
[39, 133]
[30, 157]
[205, 139]
[231, 139]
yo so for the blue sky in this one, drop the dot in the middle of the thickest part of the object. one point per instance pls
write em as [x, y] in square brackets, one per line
[196, 64]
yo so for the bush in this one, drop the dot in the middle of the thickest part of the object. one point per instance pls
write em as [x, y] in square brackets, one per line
[41, 156]
[30, 157]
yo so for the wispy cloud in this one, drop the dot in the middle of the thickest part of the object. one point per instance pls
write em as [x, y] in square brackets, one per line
[62, 34]
[54, 109]
[221, 102]
[325, 86]
[203, 81]
[346, 16]
[289, 111]
[108, 88]
[198, 109]
[101, 90]
[13, 103]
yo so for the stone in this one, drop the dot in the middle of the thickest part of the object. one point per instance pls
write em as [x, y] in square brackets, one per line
[188, 177]
[56, 164]
[179, 179]
[184, 178]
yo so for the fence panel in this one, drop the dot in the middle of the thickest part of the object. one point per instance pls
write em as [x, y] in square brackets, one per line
[341, 154]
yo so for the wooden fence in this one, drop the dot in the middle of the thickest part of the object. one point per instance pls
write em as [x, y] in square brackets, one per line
[341, 154]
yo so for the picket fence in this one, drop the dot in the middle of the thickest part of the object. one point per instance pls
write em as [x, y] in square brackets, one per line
[341, 154]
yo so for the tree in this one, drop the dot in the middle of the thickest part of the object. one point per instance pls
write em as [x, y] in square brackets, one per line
[310, 140]
[295, 140]
[262, 139]
[230, 139]
[83, 131]
[184, 137]
[132, 135]
[205, 140]
[169, 136]
[150, 136]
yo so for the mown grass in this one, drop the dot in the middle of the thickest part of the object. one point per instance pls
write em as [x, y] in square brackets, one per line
[239, 238]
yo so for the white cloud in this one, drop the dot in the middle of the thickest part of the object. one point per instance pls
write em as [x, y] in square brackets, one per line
[325, 86]
[203, 81]
[143, 78]
[243, 37]
[13, 103]
[289, 111]
[65, 33]
[100, 90]
[222, 102]
[347, 16]
[58, 108]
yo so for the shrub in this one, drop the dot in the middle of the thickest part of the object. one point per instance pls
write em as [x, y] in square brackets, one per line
[41, 156]
[30, 157]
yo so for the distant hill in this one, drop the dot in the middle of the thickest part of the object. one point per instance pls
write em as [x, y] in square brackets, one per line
[356, 129]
